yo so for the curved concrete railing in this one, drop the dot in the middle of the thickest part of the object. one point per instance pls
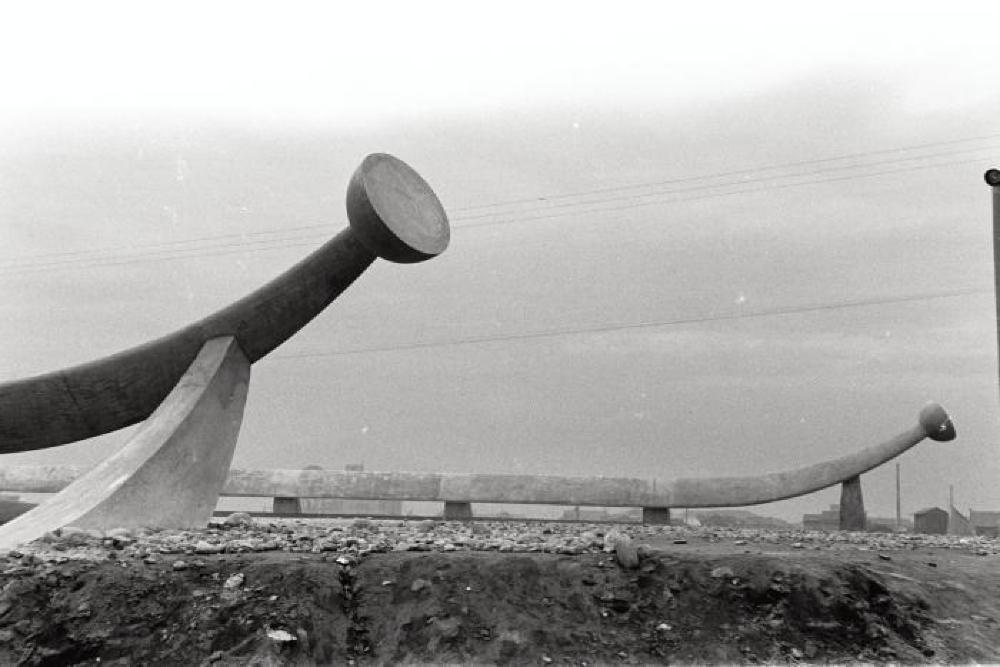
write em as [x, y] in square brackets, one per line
[393, 213]
[933, 423]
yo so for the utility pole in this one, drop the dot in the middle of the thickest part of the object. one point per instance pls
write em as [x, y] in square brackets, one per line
[993, 180]
[899, 515]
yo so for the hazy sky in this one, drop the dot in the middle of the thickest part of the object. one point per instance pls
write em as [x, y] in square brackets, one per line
[757, 232]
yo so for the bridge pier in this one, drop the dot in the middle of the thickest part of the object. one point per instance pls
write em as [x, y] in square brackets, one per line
[852, 505]
[656, 516]
[456, 511]
[285, 505]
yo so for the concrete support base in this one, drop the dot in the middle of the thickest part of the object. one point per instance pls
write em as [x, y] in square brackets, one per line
[170, 473]
[852, 505]
[457, 511]
[657, 516]
[284, 505]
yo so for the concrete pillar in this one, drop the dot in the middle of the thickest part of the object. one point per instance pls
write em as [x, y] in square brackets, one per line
[657, 516]
[287, 506]
[852, 505]
[456, 511]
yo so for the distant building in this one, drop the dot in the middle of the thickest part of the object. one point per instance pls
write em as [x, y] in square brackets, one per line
[738, 518]
[959, 524]
[930, 521]
[602, 515]
[986, 523]
[882, 524]
[828, 519]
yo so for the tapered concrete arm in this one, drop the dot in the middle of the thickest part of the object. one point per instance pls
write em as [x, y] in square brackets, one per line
[393, 213]
[934, 423]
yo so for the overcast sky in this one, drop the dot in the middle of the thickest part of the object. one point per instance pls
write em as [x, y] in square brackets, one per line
[758, 233]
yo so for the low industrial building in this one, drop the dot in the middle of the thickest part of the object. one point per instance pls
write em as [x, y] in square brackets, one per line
[828, 519]
[985, 522]
[930, 521]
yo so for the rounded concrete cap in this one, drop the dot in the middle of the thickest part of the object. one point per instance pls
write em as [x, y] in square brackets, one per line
[992, 177]
[935, 420]
[394, 211]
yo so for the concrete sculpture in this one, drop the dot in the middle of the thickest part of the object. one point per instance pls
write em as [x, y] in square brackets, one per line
[190, 387]
[458, 491]
[195, 378]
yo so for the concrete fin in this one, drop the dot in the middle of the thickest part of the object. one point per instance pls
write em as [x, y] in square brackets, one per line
[170, 473]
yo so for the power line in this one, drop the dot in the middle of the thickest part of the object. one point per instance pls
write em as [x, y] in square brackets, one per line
[716, 195]
[606, 328]
[746, 181]
[246, 238]
[32, 260]
[737, 172]
[279, 243]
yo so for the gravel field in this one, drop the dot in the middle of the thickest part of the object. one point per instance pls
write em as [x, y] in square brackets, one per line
[322, 591]
[241, 533]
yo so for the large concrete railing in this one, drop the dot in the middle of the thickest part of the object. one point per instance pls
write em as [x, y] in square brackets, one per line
[458, 491]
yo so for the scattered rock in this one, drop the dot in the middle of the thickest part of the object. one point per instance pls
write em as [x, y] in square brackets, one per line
[419, 585]
[203, 547]
[234, 580]
[238, 519]
[281, 636]
[626, 554]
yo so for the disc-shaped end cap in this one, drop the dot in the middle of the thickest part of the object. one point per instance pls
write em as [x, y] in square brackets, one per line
[937, 423]
[992, 177]
[394, 212]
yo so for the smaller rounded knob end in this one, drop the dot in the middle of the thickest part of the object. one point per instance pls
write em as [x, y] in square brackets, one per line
[936, 422]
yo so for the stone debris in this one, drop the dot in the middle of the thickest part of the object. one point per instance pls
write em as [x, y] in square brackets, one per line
[238, 519]
[347, 540]
[281, 636]
[234, 581]
[626, 554]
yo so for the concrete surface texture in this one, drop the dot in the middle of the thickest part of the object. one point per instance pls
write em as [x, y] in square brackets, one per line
[170, 472]
[392, 212]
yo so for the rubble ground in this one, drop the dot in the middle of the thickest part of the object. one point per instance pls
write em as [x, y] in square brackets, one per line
[274, 592]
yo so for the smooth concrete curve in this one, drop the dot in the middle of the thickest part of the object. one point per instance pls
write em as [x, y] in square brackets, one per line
[170, 472]
[393, 213]
[933, 423]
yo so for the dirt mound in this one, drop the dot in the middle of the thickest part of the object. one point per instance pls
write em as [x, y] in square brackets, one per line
[677, 605]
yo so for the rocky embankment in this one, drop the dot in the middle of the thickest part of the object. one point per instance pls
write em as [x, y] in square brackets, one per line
[324, 591]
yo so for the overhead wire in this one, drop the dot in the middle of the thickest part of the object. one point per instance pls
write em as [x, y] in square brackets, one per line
[715, 195]
[609, 328]
[745, 181]
[155, 252]
[724, 174]
[303, 235]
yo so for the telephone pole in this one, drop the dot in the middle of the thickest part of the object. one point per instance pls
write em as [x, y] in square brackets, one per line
[899, 514]
[992, 178]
